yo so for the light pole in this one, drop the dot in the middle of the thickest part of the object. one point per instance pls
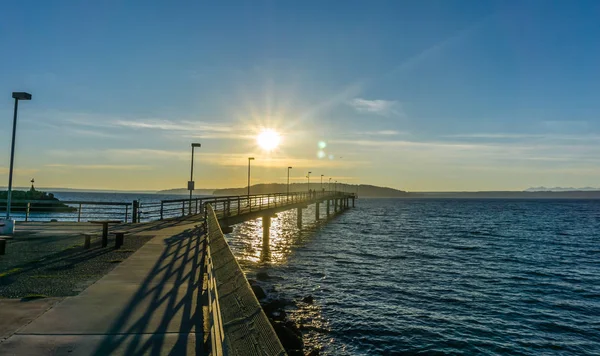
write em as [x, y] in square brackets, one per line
[17, 96]
[335, 187]
[249, 159]
[288, 182]
[191, 182]
[308, 182]
[322, 182]
[329, 185]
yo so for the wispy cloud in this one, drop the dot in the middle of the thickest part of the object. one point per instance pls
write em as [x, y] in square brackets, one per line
[125, 167]
[379, 107]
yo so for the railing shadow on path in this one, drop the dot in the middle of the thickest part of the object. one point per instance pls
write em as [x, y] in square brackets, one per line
[180, 266]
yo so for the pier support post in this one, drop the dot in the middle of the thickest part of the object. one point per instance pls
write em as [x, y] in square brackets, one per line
[317, 214]
[299, 214]
[353, 202]
[328, 207]
[266, 223]
[334, 205]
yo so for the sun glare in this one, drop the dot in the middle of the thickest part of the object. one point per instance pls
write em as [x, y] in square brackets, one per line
[268, 139]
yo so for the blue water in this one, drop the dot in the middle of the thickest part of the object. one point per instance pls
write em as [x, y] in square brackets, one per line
[438, 276]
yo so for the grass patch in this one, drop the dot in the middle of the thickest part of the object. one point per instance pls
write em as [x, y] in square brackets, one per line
[115, 261]
[10, 271]
[124, 251]
[33, 296]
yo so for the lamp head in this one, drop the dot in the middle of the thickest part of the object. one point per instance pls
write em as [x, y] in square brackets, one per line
[21, 95]
[196, 145]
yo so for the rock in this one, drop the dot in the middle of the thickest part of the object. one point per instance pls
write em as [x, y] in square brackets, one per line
[258, 291]
[308, 299]
[278, 314]
[263, 276]
[314, 352]
[288, 337]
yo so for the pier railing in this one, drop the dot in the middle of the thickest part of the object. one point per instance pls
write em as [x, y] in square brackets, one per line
[238, 325]
[136, 211]
[72, 210]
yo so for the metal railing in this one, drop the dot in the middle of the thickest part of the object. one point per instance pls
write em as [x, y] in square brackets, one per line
[135, 211]
[73, 210]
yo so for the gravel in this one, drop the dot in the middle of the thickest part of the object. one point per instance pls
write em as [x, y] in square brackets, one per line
[58, 266]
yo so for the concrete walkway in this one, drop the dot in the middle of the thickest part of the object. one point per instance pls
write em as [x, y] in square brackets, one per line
[151, 304]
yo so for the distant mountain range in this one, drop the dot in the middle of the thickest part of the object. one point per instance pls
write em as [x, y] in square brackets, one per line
[560, 189]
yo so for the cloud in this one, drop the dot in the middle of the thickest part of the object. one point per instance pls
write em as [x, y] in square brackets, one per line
[128, 167]
[379, 107]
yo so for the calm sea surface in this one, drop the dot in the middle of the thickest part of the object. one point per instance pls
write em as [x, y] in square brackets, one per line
[438, 276]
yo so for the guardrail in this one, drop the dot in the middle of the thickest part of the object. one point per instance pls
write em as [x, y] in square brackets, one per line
[135, 211]
[74, 210]
[238, 325]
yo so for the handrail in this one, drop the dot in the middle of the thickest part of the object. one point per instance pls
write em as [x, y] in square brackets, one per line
[238, 325]
[136, 211]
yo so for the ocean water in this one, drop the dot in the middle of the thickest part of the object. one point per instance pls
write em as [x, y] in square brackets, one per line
[395, 276]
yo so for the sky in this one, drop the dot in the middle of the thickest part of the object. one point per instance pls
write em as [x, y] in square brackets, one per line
[415, 95]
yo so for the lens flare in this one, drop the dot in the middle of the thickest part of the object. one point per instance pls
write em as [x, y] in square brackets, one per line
[321, 154]
[322, 144]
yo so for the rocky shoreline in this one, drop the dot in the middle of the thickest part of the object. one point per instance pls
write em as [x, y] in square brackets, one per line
[289, 332]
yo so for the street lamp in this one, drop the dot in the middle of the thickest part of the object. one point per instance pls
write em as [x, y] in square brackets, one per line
[249, 159]
[191, 182]
[335, 187]
[322, 182]
[329, 185]
[288, 182]
[17, 96]
[308, 177]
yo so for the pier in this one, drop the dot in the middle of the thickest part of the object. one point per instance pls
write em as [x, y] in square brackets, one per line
[182, 292]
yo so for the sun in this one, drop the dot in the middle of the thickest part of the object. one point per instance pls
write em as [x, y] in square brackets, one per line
[268, 139]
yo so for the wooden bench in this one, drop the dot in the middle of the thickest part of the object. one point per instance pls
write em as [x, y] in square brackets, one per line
[119, 237]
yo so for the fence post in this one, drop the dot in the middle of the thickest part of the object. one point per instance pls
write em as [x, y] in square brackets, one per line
[126, 212]
[79, 213]
[183, 208]
[238, 205]
[196, 210]
[134, 213]
[27, 212]
[161, 209]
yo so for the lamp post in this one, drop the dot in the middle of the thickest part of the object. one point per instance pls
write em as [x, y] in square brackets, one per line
[17, 96]
[335, 187]
[191, 186]
[249, 159]
[288, 182]
[329, 185]
[322, 182]
[308, 181]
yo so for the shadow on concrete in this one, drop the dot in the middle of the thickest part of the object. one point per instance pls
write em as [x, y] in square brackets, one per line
[180, 267]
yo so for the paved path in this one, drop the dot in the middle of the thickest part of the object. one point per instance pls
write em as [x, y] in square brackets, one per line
[151, 304]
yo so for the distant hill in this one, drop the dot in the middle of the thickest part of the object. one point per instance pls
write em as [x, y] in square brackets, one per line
[560, 189]
[595, 194]
[363, 190]
[184, 191]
